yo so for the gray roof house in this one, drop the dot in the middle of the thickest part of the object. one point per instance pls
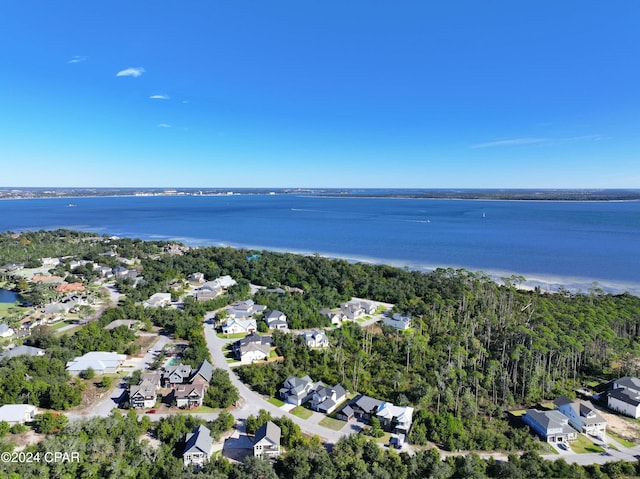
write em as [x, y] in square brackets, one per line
[266, 443]
[198, 448]
[143, 395]
[582, 416]
[552, 426]
[252, 348]
[364, 407]
[297, 390]
[276, 320]
[315, 339]
[204, 373]
[22, 351]
[178, 374]
[326, 399]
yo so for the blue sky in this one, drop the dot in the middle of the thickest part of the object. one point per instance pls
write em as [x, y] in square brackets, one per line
[540, 94]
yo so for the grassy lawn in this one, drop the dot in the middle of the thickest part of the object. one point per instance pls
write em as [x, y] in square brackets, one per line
[275, 402]
[273, 354]
[70, 331]
[384, 439]
[620, 440]
[231, 336]
[333, 424]
[59, 324]
[199, 410]
[301, 412]
[363, 319]
[584, 445]
[548, 405]
[518, 412]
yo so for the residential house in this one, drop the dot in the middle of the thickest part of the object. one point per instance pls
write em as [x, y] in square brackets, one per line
[177, 374]
[17, 413]
[6, 331]
[398, 321]
[70, 288]
[203, 374]
[336, 318]
[157, 300]
[582, 416]
[625, 401]
[365, 407]
[128, 323]
[240, 326]
[346, 413]
[144, 395]
[352, 310]
[315, 339]
[196, 278]
[552, 426]
[276, 320]
[22, 351]
[189, 395]
[101, 362]
[252, 348]
[266, 442]
[395, 419]
[369, 307]
[198, 448]
[245, 309]
[625, 396]
[224, 282]
[152, 377]
[326, 399]
[208, 291]
[50, 261]
[297, 390]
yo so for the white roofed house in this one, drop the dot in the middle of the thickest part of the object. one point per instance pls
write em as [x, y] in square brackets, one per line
[266, 442]
[198, 448]
[17, 413]
[157, 300]
[101, 362]
[396, 419]
[22, 351]
[239, 326]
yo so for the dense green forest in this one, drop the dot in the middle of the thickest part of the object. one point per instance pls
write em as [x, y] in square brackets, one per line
[121, 446]
[476, 349]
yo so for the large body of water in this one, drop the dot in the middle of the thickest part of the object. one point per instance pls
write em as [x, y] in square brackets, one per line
[550, 243]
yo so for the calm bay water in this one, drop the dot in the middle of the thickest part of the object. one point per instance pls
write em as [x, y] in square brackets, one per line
[550, 243]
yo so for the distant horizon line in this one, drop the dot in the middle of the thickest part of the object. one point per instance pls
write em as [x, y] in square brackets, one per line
[321, 188]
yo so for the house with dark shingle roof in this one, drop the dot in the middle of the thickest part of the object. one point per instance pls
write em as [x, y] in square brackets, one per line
[326, 399]
[625, 396]
[252, 348]
[198, 448]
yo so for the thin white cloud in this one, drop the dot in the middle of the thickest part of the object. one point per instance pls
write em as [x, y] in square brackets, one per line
[164, 125]
[511, 142]
[131, 72]
[77, 59]
[159, 97]
[529, 141]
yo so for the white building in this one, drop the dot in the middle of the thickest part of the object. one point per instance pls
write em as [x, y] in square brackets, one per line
[17, 413]
[625, 397]
[158, 300]
[198, 448]
[101, 362]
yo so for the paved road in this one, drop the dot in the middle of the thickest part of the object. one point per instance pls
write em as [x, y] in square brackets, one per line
[252, 402]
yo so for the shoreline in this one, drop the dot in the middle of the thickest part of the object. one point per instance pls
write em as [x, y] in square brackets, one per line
[547, 283]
